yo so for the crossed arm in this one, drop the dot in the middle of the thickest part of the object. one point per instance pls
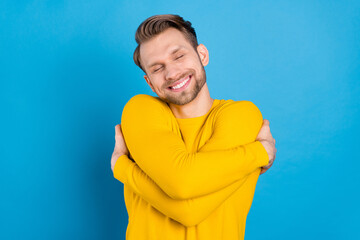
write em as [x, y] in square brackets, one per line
[188, 212]
[162, 154]
[186, 187]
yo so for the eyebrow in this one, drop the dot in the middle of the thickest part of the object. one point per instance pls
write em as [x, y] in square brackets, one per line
[173, 52]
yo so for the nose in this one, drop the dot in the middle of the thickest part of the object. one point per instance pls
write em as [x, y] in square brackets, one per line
[172, 72]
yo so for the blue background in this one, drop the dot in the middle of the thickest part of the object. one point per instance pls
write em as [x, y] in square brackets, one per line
[66, 72]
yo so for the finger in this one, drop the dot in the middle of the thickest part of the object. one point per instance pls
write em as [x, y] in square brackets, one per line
[117, 130]
[272, 162]
[268, 166]
[266, 122]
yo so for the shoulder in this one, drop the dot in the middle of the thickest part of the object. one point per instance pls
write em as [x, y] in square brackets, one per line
[144, 100]
[239, 109]
[143, 103]
[145, 107]
[240, 120]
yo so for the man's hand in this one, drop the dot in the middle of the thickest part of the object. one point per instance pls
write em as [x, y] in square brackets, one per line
[268, 142]
[120, 146]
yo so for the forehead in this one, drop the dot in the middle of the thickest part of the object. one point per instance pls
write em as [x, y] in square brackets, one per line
[162, 45]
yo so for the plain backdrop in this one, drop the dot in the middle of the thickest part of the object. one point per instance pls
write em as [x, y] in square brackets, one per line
[66, 71]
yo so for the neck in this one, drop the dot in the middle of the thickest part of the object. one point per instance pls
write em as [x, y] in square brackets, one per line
[196, 108]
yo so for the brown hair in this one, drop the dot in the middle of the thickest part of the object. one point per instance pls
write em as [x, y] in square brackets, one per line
[155, 25]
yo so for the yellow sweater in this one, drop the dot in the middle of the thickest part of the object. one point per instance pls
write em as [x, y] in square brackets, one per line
[192, 178]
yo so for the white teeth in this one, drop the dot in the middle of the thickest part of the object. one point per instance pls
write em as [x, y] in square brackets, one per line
[181, 84]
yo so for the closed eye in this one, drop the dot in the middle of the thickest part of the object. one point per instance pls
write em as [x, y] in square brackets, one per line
[157, 69]
[179, 57]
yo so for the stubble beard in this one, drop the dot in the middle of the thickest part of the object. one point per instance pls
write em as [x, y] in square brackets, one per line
[184, 97]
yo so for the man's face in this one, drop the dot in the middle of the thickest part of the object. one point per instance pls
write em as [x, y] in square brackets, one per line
[174, 70]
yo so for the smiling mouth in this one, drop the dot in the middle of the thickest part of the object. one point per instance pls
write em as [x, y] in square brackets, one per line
[182, 84]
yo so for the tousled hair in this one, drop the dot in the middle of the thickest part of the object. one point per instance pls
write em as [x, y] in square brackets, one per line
[157, 24]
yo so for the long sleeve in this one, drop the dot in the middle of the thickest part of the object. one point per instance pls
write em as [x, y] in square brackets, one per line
[162, 155]
[189, 212]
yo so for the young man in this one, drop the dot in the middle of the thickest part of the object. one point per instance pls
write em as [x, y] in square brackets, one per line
[196, 160]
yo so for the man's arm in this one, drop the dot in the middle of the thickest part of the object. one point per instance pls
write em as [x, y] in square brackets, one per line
[162, 155]
[189, 212]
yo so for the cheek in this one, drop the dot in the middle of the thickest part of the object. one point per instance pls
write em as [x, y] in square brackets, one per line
[159, 84]
[190, 64]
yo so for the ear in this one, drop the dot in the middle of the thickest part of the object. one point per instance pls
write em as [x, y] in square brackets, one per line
[203, 54]
[147, 79]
